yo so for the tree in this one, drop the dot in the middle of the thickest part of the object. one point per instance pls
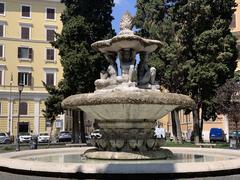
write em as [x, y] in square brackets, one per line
[199, 53]
[53, 106]
[84, 22]
[154, 18]
[228, 100]
[209, 44]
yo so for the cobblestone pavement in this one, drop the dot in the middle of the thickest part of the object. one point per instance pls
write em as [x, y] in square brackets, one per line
[9, 176]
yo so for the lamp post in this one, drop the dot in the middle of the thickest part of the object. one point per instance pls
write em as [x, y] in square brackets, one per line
[10, 107]
[20, 89]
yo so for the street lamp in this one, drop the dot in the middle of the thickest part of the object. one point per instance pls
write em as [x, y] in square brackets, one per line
[10, 107]
[20, 89]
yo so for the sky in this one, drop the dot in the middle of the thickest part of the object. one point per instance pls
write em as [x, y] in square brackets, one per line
[121, 6]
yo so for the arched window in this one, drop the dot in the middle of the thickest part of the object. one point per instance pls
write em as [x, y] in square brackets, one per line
[23, 108]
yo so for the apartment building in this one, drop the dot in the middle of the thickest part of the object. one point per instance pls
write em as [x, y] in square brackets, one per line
[26, 56]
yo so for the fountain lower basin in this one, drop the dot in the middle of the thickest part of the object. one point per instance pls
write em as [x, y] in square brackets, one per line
[128, 105]
[127, 119]
[226, 162]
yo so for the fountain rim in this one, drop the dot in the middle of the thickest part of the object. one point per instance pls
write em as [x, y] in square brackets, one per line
[99, 45]
[195, 169]
[130, 97]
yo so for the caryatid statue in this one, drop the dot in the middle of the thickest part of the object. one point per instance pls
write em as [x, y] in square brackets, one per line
[108, 77]
[125, 46]
[146, 74]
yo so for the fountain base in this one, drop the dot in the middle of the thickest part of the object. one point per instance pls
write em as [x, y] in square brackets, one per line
[135, 155]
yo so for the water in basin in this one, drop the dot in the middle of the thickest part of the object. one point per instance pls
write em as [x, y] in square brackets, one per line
[78, 158]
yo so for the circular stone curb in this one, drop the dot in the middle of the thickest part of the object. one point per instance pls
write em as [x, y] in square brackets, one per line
[10, 162]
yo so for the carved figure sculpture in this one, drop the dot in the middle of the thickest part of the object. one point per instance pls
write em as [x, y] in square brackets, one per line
[128, 64]
[108, 77]
[146, 74]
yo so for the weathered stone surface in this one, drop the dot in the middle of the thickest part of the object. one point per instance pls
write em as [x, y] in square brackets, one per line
[128, 97]
[146, 155]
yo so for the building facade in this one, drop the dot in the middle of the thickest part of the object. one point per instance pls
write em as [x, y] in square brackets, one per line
[26, 56]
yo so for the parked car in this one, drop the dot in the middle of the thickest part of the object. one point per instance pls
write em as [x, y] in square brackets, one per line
[64, 136]
[4, 138]
[96, 134]
[234, 135]
[216, 134]
[43, 138]
[24, 137]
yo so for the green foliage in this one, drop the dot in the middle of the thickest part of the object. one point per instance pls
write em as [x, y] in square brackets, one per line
[228, 100]
[84, 22]
[199, 51]
[52, 103]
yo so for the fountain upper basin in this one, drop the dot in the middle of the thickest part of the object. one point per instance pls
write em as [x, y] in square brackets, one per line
[128, 105]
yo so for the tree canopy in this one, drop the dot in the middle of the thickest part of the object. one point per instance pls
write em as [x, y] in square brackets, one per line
[199, 51]
[84, 22]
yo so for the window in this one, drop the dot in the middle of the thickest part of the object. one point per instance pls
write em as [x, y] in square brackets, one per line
[1, 51]
[1, 75]
[2, 70]
[0, 109]
[50, 13]
[233, 23]
[50, 34]
[25, 32]
[2, 8]
[23, 108]
[25, 78]
[1, 29]
[50, 79]
[50, 54]
[238, 48]
[26, 11]
[25, 53]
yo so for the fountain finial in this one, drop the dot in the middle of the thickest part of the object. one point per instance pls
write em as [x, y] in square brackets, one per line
[126, 23]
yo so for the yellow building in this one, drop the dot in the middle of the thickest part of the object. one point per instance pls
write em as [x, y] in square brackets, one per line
[235, 26]
[26, 56]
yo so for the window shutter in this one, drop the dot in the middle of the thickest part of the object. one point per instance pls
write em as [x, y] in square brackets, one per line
[0, 77]
[30, 53]
[19, 78]
[1, 51]
[19, 52]
[29, 79]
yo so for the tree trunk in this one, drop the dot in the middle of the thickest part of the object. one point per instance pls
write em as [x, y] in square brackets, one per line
[174, 127]
[237, 138]
[195, 125]
[178, 127]
[75, 128]
[50, 138]
[82, 127]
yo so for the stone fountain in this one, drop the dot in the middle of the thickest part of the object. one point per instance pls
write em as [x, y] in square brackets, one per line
[126, 105]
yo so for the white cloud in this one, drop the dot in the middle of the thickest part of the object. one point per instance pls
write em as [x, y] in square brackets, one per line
[117, 2]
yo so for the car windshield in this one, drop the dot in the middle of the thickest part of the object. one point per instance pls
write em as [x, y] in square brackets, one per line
[43, 134]
[65, 132]
[2, 134]
[24, 134]
[236, 133]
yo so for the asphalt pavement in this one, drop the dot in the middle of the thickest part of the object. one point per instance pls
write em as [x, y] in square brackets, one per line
[10, 176]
